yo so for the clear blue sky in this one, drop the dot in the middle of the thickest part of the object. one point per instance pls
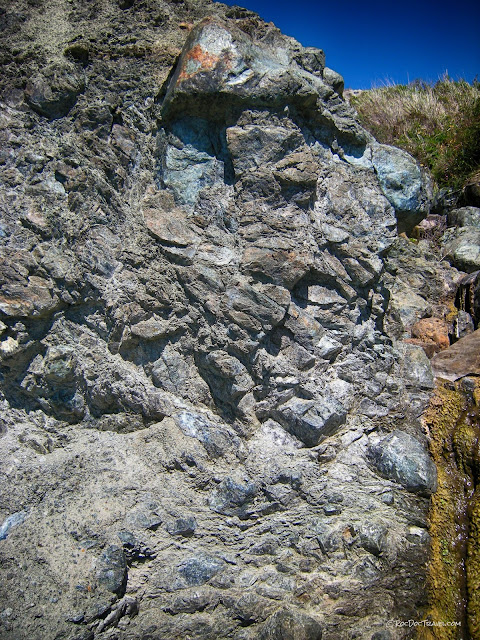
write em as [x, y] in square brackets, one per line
[371, 43]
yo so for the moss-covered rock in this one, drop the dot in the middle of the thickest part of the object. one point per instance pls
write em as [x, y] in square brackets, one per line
[452, 421]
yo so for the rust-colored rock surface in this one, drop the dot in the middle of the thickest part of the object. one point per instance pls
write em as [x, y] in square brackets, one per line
[432, 332]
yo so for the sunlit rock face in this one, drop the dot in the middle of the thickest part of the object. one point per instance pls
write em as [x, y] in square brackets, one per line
[198, 388]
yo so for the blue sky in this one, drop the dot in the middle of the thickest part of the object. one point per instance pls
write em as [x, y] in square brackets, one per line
[371, 43]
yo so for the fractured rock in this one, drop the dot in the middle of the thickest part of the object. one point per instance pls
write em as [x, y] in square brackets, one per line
[311, 421]
[201, 297]
[464, 217]
[402, 458]
[462, 248]
[459, 360]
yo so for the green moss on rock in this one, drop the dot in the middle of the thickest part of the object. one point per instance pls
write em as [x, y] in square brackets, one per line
[454, 569]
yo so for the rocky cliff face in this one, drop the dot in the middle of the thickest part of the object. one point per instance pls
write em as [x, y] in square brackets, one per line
[207, 429]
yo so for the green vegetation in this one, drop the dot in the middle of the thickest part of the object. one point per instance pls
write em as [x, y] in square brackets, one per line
[438, 124]
[452, 422]
[446, 579]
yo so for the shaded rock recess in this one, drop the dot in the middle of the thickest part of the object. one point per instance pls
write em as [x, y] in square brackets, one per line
[210, 421]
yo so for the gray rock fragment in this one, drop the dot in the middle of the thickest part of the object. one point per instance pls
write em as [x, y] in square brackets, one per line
[200, 569]
[113, 572]
[464, 217]
[184, 526]
[417, 368]
[289, 625]
[217, 438]
[462, 248]
[311, 421]
[193, 601]
[372, 538]
[230, 497]
[401, 458]
[12, 521]
[334, 79]
[404, 183]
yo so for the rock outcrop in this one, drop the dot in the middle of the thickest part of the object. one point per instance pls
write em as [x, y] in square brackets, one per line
[208, 429]
[460, 360]
[462, 242]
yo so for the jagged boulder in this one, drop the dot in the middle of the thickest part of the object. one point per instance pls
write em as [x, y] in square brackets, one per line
[460, 360]
[462, 247]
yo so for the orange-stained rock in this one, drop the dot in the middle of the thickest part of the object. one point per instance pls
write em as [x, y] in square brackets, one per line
[432, 330]
[197, 60]
[430, 347]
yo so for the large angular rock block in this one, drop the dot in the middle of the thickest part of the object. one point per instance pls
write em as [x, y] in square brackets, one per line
[221, 61]
[462, 247]
[459, 360]
[406, 185]
[311, 422]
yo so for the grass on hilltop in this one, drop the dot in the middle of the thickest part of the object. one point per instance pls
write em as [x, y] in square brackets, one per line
[439, 124]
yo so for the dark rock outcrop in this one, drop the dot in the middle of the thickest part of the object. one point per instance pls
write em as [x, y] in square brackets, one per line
[194, 354]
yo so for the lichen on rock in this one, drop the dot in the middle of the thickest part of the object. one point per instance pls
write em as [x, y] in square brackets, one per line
[453, 578]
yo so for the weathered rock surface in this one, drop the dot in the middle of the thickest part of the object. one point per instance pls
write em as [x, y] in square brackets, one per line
[421, 285]
[460, 360]
[464, 217]
[402, 458]
[462, 247]
[432, 334]
[198, 335]
[405, 185]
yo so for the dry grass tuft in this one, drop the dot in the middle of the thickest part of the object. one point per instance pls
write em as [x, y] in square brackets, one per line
[439, 124]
